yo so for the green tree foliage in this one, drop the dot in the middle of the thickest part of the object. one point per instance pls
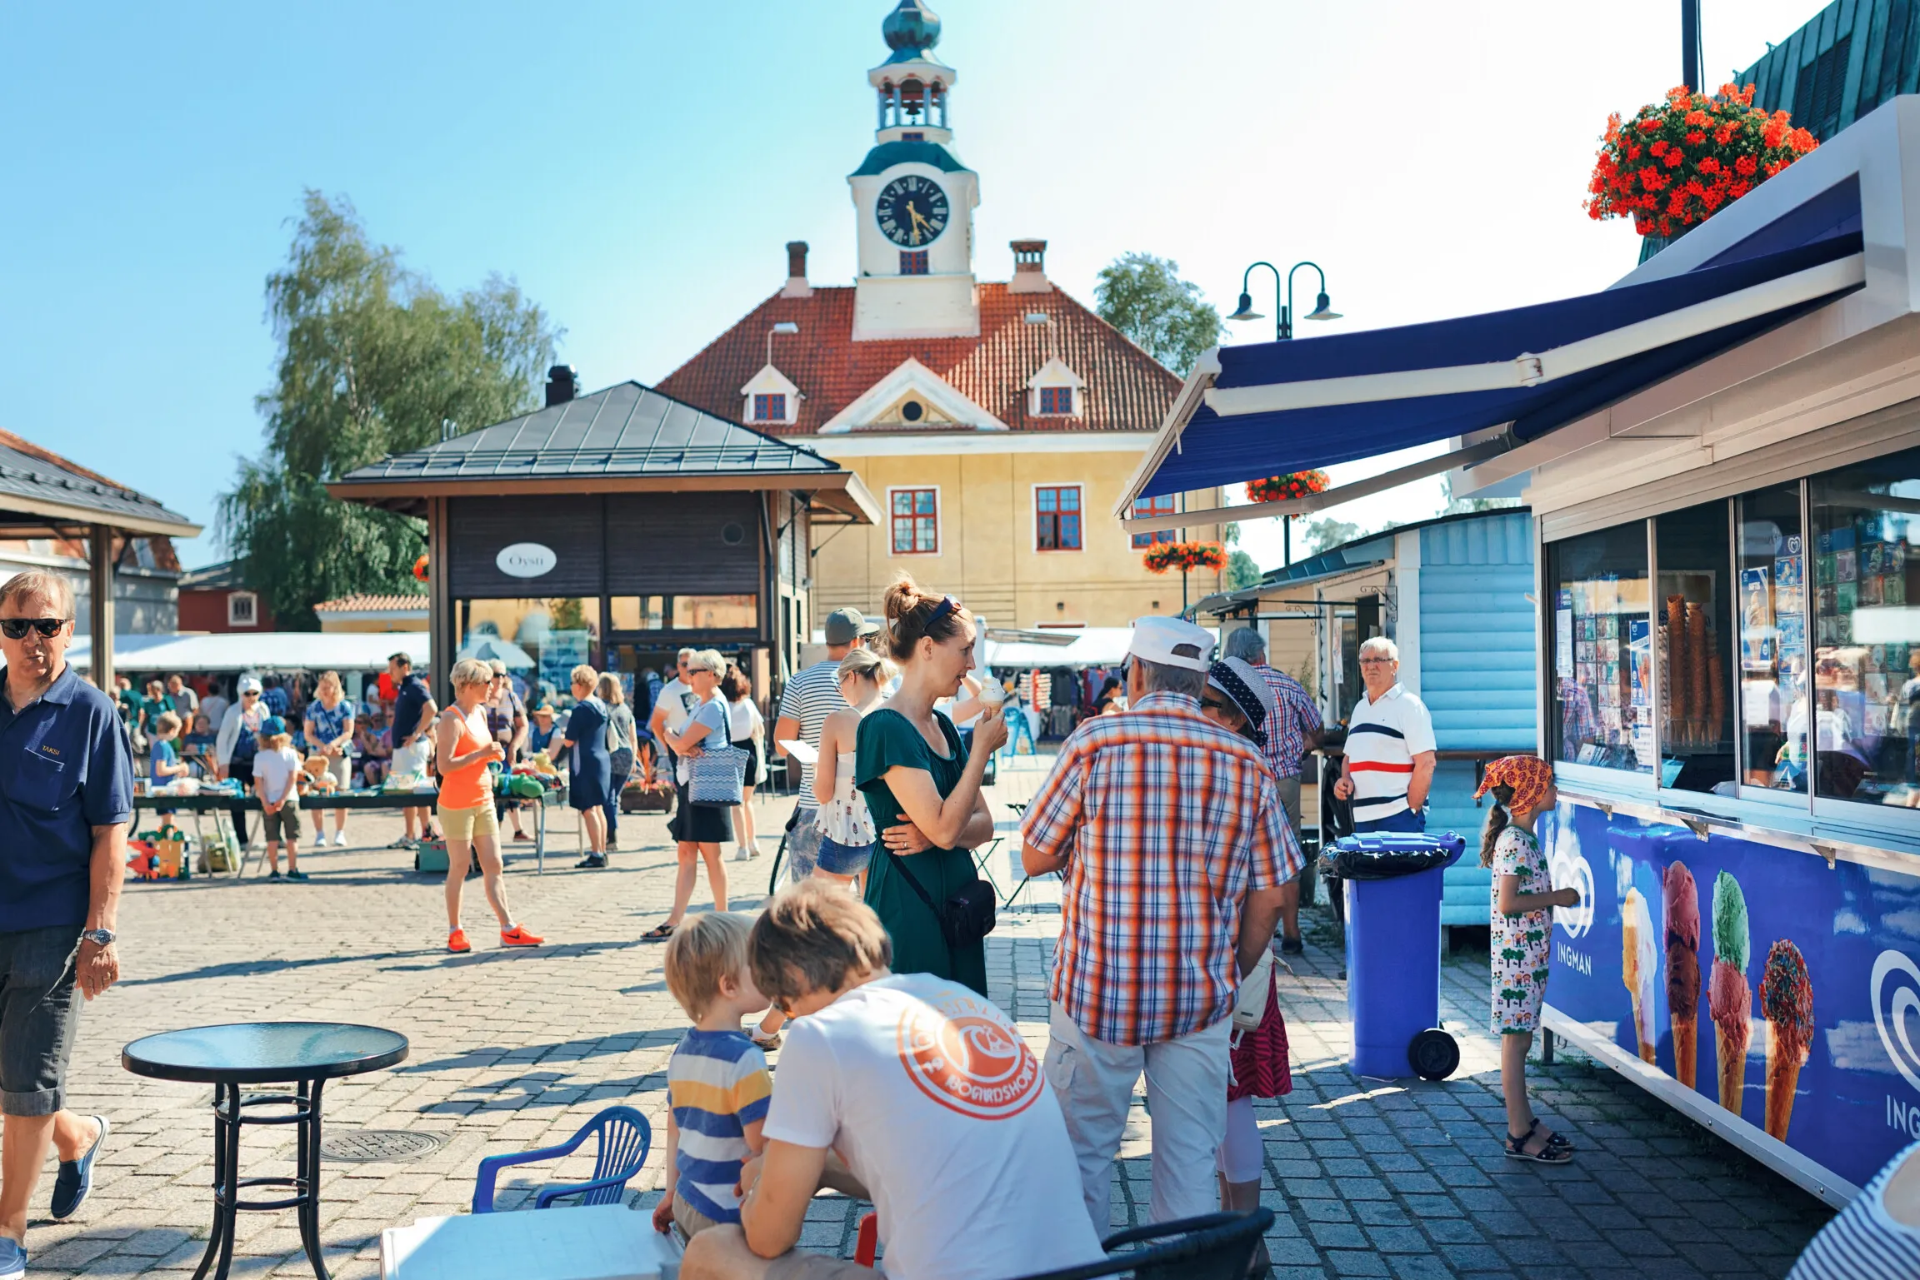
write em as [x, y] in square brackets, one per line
[374, 359]
[1324, 534]
[1144, 297]
[1456, 506]
[1242, 571]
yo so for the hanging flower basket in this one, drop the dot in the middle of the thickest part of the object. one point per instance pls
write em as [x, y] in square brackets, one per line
[1282, 488]
[1676, 162]
[420, 568]
[1186, 556]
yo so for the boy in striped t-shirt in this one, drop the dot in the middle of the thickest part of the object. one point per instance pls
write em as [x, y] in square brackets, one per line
[717, 1080]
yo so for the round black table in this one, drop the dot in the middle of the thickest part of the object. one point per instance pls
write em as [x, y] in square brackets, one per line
[307, 1054]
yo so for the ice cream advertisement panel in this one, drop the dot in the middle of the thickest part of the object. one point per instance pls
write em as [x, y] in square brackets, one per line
[1784, 991]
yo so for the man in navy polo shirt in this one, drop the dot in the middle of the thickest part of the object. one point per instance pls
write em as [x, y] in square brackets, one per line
[413, 713]
[66, 795]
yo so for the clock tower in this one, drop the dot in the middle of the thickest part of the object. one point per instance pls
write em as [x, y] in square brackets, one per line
[913, 198]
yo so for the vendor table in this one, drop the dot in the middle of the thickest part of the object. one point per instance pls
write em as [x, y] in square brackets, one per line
[592, 1242]
[307, 1054]
[218, 804]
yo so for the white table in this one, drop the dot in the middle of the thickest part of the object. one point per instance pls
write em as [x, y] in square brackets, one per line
[599, 1242]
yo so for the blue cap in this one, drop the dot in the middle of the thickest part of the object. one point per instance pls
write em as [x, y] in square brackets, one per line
[273, 726]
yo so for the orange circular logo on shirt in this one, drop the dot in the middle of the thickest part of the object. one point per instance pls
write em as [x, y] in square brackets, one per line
[967, 1059]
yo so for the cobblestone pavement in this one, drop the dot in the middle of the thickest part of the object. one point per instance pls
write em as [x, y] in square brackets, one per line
[515, 1049]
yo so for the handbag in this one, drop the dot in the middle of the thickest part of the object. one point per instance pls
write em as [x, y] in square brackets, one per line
[714, 774]
[966, 917]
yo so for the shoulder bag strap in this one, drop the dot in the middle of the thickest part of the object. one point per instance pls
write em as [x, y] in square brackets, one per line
[901, 867]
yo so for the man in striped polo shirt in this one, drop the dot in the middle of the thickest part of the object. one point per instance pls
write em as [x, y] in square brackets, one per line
[1388, 769]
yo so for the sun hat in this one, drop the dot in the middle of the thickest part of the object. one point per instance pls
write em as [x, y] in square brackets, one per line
[1249, 692]
[249, 684]
[1171, 642]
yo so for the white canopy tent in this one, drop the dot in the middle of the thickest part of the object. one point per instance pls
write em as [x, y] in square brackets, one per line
[261, 651]
[1090, 647]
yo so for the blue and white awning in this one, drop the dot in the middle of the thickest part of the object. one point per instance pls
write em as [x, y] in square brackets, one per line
[1273, 408]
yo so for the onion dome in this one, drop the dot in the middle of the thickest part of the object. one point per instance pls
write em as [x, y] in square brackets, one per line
[911, 28]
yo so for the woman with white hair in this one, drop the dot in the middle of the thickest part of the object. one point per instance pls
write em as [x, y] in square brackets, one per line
[698, 830]
[329, 729]
[589, 763]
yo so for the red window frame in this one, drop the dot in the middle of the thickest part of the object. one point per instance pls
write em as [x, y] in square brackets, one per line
[1057, 400]
[1164, 505]
[770, 406]
[1058, 522]
[912, 513]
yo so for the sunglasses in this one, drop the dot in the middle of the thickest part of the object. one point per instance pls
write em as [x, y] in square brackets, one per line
[16, 628]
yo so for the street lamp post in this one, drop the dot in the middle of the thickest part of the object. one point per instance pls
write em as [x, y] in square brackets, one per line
[1283, 331]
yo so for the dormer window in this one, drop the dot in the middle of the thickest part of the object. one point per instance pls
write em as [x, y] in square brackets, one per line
[913, 262]
[770, 407]
[770, 399]
[1055, 391]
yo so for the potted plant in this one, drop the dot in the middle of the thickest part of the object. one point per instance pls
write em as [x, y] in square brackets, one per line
[1676, 162]
[1296, 484]
[1186, 556]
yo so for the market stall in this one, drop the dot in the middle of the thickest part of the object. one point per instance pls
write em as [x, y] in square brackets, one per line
[1722, 456]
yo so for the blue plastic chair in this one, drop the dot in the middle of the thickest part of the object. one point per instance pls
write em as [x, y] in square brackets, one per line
[624, 1140]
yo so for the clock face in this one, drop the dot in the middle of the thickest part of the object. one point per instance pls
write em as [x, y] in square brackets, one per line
[912, 211]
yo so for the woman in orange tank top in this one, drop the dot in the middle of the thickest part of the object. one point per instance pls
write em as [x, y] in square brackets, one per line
[464, 748]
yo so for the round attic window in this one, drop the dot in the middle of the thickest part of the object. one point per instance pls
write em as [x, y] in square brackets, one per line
[733, 533]
[912, 410]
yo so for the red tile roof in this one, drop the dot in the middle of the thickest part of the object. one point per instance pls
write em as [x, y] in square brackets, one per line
[373, 604]
[1126, 389]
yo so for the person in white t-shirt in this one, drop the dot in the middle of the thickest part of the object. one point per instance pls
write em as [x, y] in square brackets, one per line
[672, 709]
[928, 1094]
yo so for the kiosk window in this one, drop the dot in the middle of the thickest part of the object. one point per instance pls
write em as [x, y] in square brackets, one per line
[1694, 618]
[1773, 636]
[1602, 650]
[541, 639]
[1863, 729]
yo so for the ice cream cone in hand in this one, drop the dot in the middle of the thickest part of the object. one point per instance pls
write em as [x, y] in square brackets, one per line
[1786, 997]
[1639, 957]
[1729, 999]
[1683, 969]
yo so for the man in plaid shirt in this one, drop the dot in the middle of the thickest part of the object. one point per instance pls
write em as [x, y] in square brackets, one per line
[1171, 840]
[1297, 730]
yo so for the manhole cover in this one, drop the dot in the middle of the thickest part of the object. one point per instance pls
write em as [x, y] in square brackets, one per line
[363, 1146]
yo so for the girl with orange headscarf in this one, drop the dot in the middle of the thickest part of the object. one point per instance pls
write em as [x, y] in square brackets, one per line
[1522, 788]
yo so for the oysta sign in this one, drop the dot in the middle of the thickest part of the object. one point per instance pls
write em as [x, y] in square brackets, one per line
[526, 560]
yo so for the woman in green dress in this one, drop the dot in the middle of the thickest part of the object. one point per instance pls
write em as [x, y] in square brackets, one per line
[910, 764]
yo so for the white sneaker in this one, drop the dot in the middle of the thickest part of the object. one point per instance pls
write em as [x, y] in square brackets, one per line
[740, 853]
[340, 839]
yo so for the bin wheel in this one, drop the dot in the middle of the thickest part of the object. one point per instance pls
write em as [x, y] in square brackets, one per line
[1433, 1055]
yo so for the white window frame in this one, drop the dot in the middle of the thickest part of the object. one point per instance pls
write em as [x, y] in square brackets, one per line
[1033, 513]
[939, 521]
[253, 608]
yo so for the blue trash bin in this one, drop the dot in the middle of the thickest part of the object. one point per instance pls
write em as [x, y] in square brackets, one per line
[1393, 954]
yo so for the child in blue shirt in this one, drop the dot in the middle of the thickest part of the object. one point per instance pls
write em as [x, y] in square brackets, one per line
[718, 1086]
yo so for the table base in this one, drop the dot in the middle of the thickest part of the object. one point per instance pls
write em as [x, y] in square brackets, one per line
[229, 1114]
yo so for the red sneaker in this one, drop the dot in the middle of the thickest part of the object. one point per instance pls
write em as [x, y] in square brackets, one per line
[457, 941]
[518, 937]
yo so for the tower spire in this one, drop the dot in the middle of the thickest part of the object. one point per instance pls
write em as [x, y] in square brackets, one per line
[912, 84]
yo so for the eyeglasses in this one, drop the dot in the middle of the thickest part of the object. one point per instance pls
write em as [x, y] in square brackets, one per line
[16, 628]
[1376, 662]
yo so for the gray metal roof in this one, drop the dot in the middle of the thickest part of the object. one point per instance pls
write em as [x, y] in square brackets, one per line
[627, 430]
[35, 484]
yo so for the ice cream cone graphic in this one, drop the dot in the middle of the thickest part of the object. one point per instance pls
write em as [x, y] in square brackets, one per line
[1729, 999]
[1786, 998]
[1639, 958]
[1683, 969]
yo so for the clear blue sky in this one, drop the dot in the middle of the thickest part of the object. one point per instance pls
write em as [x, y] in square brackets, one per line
[638, 167]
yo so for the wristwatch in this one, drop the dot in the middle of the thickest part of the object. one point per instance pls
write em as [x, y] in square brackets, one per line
[99, 937]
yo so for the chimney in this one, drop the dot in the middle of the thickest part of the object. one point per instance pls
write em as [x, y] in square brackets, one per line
[1029, 267]
[796, 285]
[563, 384]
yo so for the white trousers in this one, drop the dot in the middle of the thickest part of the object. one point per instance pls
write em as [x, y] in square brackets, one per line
[1186, 1099]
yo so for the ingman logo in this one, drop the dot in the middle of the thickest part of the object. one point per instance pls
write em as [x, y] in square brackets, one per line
[1895, 991]
[1568, 869]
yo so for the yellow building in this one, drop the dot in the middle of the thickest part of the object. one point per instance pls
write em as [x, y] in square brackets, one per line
[996, 423]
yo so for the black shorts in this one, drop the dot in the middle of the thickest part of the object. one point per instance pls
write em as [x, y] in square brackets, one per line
[39, 1012]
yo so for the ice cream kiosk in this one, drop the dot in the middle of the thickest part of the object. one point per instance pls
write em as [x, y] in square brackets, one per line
[1722, 456]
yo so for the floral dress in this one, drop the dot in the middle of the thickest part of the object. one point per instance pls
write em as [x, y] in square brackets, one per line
[1519, 941]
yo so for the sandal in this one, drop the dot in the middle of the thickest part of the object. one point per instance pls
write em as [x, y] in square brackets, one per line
[1554, 1140]
[659, 933]
[1547, 1154]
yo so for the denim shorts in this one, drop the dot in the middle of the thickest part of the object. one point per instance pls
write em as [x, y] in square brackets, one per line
[844, 859]
[39, 1012]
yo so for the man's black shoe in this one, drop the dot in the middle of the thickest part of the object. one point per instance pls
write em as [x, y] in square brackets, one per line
[591, 862]
[1291, 946]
